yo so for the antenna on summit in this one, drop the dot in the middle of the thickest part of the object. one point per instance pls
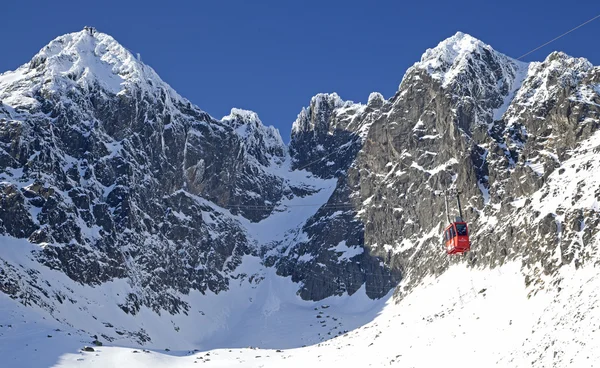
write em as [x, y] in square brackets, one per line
[90, 30]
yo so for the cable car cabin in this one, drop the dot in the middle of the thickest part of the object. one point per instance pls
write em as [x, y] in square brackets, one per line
[456, 238]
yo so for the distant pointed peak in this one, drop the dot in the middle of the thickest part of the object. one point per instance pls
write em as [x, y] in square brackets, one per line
[245, 116]
[375, 98]
[331, 99]
[563, 58]
[452, 56]
[454, 47]
[89, 58]
[262, 142]
[321, 107]
[245, 120]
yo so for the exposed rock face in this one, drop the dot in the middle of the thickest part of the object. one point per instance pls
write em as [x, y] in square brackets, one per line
[326, 138]
[117, 177]
[107, 177]
[469, 118]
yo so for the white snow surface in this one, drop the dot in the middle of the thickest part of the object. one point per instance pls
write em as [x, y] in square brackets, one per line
[516, 83]
[83, 59]
[451, 56]
[564, 187]
[347, 251]
[466, 317]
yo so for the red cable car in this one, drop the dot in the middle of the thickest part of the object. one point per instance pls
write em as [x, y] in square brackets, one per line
[456, 238]
[456, 235]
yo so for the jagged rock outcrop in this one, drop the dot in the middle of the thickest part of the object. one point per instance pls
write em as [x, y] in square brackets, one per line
[469, 118]
[329, 254]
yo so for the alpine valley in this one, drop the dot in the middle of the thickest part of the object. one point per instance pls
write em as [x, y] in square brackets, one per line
[133, 222]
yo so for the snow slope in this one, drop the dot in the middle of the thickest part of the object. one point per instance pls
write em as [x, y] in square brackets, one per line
[484, 319]
[261, 309]
[82, 59]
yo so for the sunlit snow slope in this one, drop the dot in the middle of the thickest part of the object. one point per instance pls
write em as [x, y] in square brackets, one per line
[484, 320]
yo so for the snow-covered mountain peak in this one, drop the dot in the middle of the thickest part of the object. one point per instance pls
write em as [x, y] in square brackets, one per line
[328, 126]
[569, 69]
[453, 48]
[239, 117]
[557, 75]
[332, 99]
[375, 98]
[84, 42]
[454, 55]
[320, 109]
[95, 55]
[560, 56]
[87, 59]
[467, 67]
[246, 122]
[261, 141]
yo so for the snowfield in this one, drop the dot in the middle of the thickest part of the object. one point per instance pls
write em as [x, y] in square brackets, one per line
[467, 317]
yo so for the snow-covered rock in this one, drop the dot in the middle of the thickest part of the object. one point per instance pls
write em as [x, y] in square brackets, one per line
[263, 143]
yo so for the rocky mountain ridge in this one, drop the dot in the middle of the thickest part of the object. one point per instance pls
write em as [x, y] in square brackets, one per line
[115, 177]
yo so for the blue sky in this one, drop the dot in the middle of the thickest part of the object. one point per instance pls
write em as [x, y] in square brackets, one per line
[272, 56]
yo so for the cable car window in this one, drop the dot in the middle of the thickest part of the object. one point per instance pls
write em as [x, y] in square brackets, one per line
[461, 229]
[452, 232]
